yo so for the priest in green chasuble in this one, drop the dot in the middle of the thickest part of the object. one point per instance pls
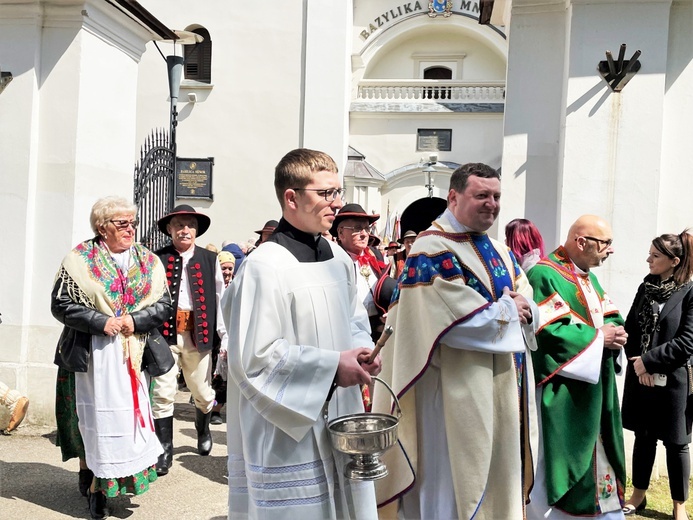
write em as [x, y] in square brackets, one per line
[581, 468]
[458, 363]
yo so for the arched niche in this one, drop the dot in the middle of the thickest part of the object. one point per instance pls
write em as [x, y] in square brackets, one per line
[421, 35]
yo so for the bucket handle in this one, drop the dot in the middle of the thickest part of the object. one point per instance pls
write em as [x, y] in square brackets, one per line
[394, 396]
[376, 378]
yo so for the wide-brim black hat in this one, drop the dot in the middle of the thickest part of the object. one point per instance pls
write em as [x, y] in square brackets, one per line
[270, 225]
[383, 291]
[203, 221]
[374, 240]
[351, 211]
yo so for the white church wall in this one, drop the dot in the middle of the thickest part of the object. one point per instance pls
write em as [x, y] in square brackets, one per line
[67, 132]
[612, 153]
[273, 91]
[677, 157]
[389, 141]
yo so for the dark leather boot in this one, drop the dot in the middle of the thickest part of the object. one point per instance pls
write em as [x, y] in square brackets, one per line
[204, 437]
[97, 505]
[85, 478]
[164, 431]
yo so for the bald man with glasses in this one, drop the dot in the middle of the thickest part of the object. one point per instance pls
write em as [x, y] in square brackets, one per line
[581, 467]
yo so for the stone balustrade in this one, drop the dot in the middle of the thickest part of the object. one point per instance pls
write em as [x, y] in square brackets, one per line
[436, 91]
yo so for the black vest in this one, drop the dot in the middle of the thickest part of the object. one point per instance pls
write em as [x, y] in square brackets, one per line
[201, 277]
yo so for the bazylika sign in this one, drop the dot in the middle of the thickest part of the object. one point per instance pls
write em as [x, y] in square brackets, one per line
[433, 8]
[194, 178]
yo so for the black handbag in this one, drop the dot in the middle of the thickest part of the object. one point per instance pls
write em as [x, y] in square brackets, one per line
[73, 350]
[156, 357]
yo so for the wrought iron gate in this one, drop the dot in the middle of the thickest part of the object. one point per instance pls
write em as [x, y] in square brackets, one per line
[154, 187]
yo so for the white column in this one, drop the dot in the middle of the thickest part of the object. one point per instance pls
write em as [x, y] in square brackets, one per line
[326, 94]
[67, 137]
[534, 117]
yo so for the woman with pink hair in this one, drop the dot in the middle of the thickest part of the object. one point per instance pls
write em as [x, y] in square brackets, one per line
[524, 240]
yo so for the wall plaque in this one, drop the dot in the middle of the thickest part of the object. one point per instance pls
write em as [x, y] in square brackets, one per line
[434, 140]
[194, 178]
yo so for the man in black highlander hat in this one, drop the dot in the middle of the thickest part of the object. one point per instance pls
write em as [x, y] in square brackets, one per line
[196, 283]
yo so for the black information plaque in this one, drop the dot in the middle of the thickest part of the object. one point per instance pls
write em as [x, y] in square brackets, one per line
[434, 140]
[194, 178]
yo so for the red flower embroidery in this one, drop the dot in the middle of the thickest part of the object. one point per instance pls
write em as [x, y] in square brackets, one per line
[411, 273]
[447, 264]
[111, 483]
[557, 305]
[609, 488]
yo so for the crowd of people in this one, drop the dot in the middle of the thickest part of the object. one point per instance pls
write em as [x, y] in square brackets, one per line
[503, 357]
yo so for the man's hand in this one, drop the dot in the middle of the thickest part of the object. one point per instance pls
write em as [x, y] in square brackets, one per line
[349, 371]
[524, 310]
[375, 367]
[614, 336]
[127, 325]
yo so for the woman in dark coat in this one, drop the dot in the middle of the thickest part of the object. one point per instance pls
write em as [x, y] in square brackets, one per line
[660, 344]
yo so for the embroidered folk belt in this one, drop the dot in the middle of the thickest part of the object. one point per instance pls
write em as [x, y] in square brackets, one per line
[184, 321]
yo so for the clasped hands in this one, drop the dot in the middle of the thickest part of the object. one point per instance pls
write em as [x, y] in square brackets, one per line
[524, 309]
[354, 369]
[119, 324]
[615, 336]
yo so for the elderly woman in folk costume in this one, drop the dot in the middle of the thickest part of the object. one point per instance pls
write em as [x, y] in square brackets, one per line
[109, 293]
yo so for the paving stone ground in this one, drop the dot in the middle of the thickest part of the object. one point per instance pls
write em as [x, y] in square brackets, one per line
[35, 483]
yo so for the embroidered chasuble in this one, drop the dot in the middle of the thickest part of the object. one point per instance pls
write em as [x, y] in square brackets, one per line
[458, 364]
[290, 312]
[582, 467]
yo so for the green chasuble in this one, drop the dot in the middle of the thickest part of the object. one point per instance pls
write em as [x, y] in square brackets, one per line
[575, 414]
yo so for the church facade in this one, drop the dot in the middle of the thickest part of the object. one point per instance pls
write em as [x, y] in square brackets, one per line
[399, 92]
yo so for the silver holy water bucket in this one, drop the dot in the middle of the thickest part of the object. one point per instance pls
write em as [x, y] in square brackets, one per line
[364, 437]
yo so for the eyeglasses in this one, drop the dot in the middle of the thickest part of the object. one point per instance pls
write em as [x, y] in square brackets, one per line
[329, 194]
[123, 224]
[606, 243]
[356, 230]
